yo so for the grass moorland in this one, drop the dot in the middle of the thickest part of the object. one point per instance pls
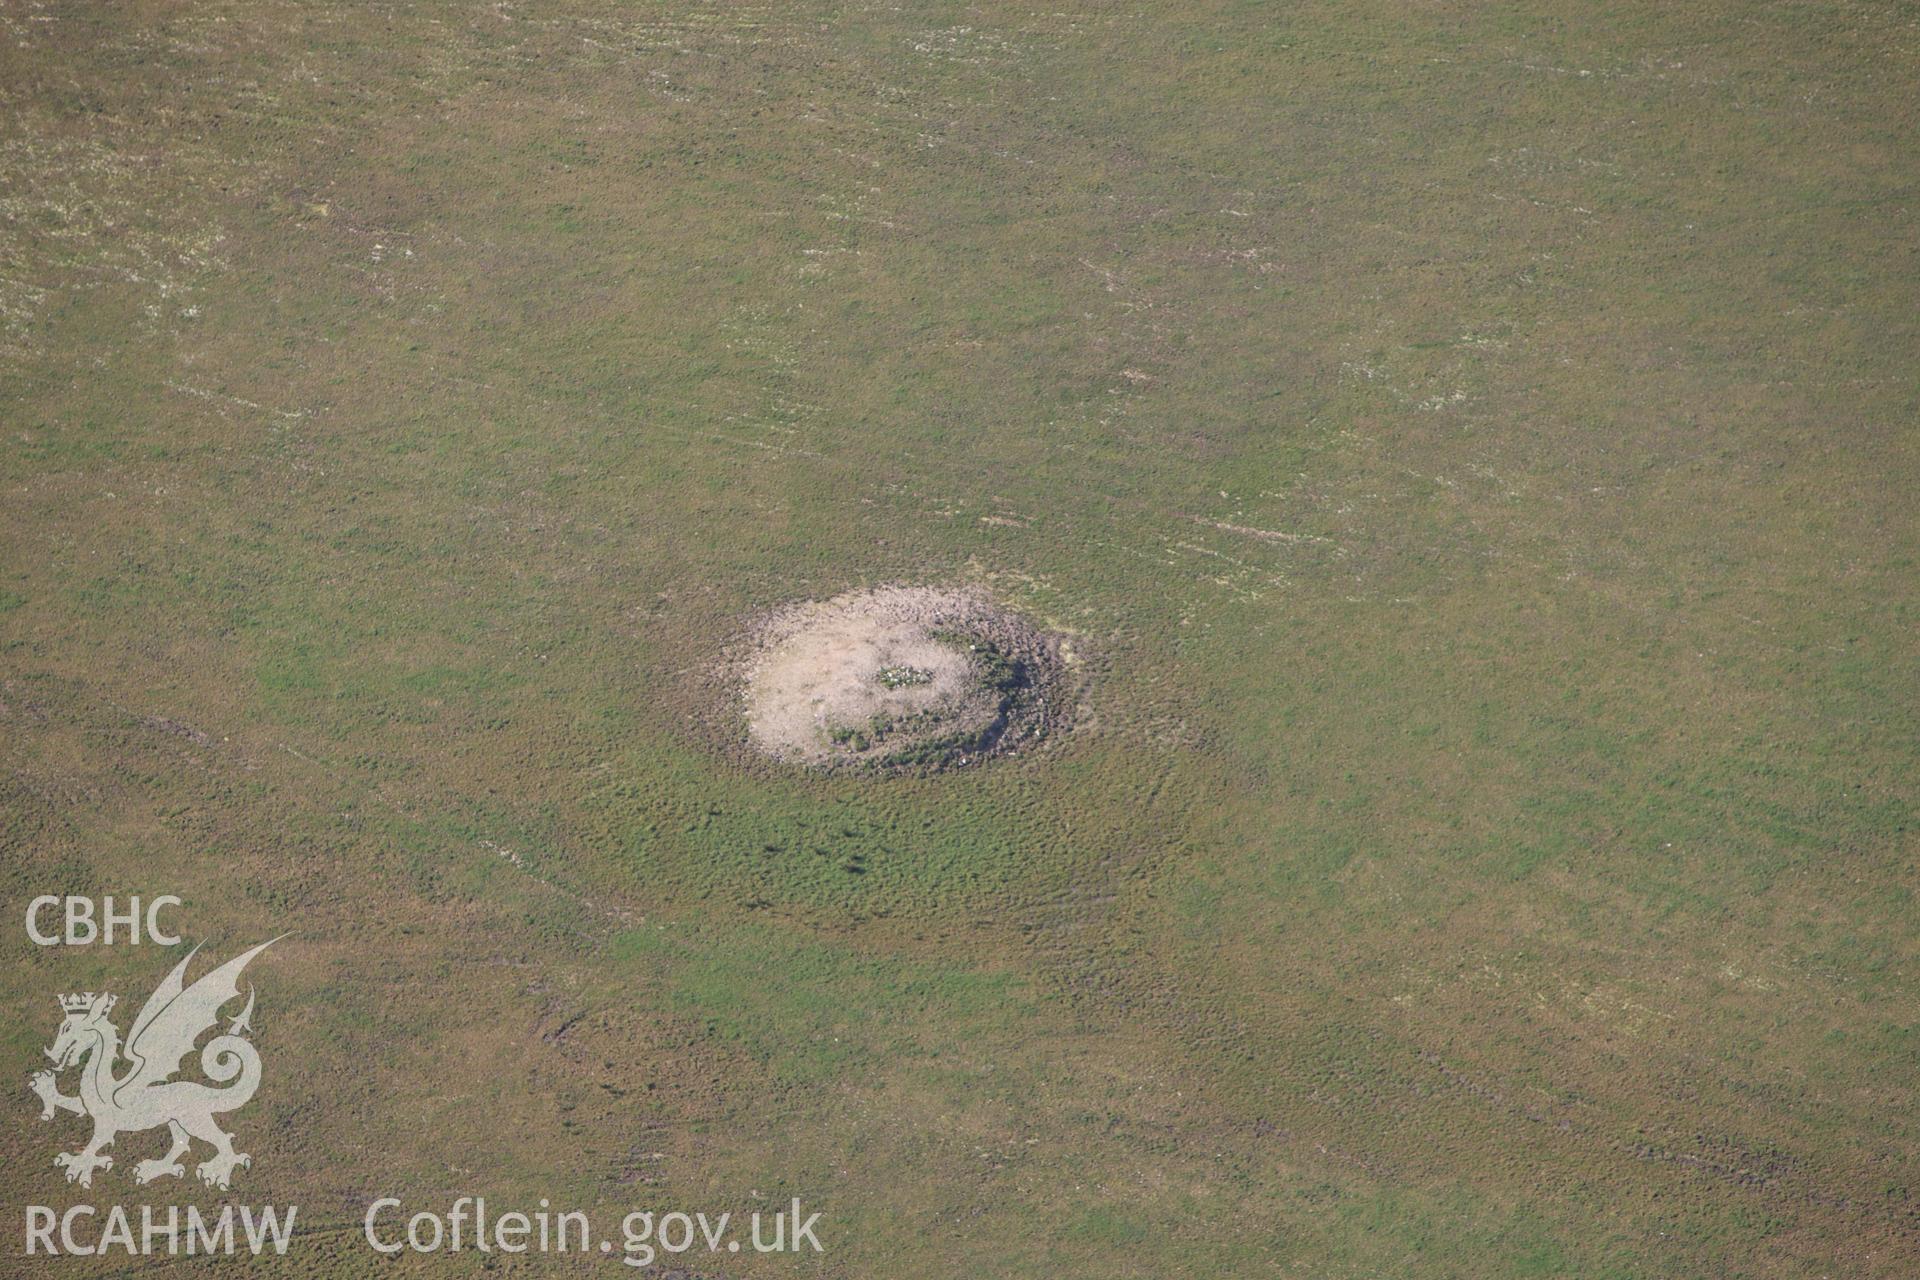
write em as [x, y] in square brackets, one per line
[1470, 448]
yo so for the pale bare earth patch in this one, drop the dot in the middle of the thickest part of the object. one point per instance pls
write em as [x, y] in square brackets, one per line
[897, 676]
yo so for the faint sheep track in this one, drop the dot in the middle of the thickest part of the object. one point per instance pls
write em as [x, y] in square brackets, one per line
[101, 176]
[1147, 321]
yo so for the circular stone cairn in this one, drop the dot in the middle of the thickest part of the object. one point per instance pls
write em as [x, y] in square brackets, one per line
[897, 677]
